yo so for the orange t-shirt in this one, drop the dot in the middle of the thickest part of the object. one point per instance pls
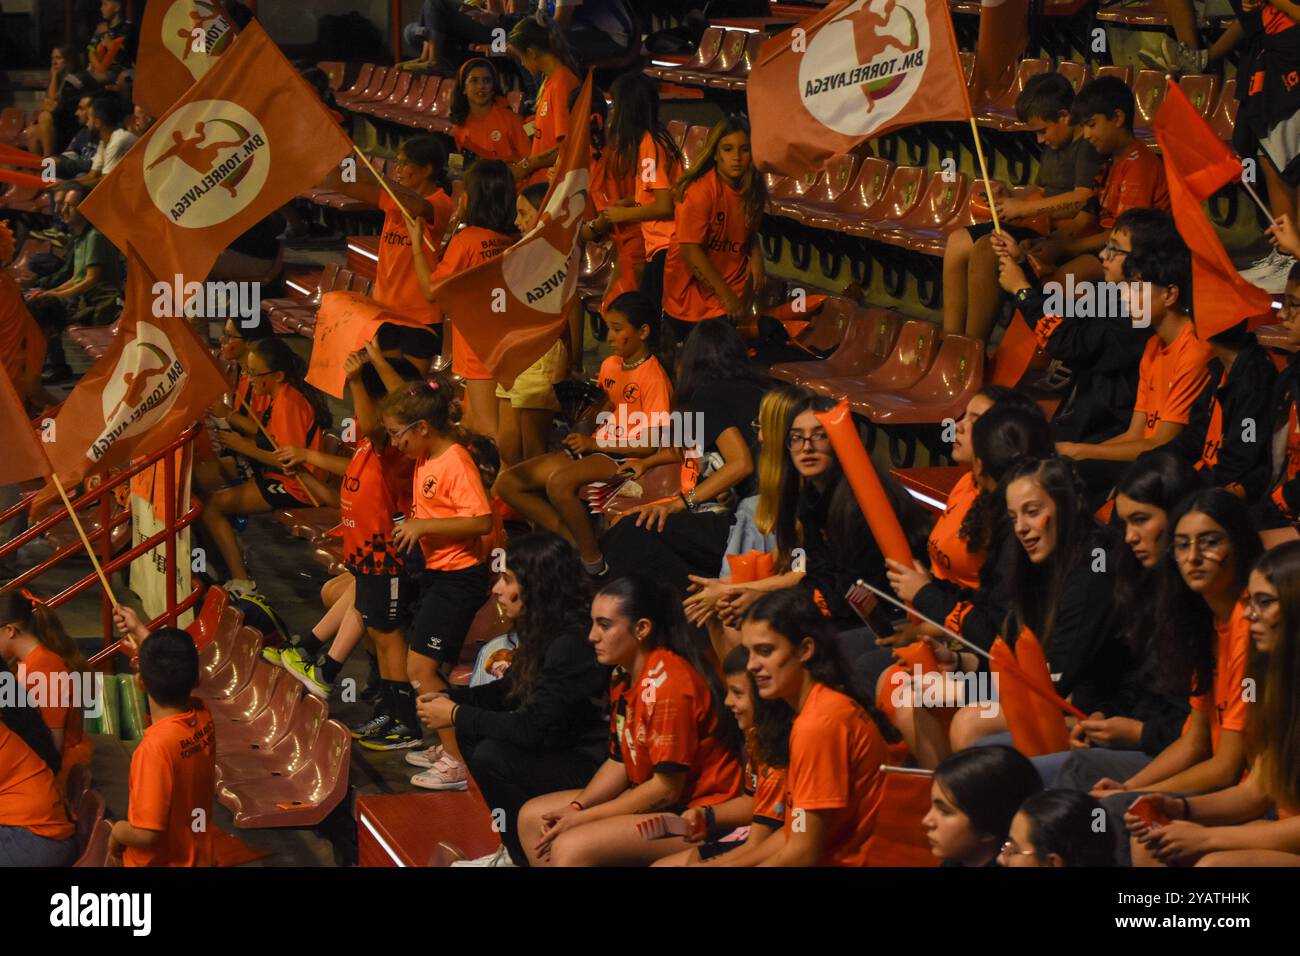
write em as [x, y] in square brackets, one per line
[251, 399]
[1224, 703]
[28, 795]
[497, 134]
[767, 786]
[629, 245]
[551, 120]
[1214, 431]
[712, 216]
[395, 283]
[666, 724]
[291, 421]
[1135, 180]
[55, 712]
[950, 559]
[635, 396]
[835, 757]
[654, 170]
[1170, 377]
[375, 488]
[174, 773]
[469, 247]
[449, 486]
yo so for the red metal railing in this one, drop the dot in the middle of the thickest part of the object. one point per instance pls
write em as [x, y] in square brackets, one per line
[101, 538]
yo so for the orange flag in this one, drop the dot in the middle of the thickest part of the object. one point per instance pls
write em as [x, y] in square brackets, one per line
[511, 309]
[23, 458]
[1047, 716]
[1004, 32]
[1197, 164]
[13, 156]
[155, 380]
[22, 344]
[180, 41]
[345, 322]
[1016, 702]
[242, 142]
[853, 70]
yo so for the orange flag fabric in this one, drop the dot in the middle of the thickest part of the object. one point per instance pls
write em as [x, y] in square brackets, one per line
[345, 322]
[155, 380]
[180, 41]
[1017, 703]
[1047, 716]
[1197, 164]
[1004, 33]
[23, 458]
[16, 178]
[22, 344]
[511, 309]
[13, 156]
[242, 142]
[854, 70]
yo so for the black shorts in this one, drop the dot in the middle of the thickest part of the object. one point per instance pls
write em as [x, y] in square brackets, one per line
[422, 343]
[273, 492]
[449, 600]
[1018, 233]
[652, 279]
[383, 601]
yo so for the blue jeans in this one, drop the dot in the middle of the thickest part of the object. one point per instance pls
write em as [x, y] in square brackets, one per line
[21, 847]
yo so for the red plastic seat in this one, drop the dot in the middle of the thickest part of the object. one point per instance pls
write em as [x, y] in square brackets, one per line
[868, 339]
[436, 119]
[381, 92]
[906, 189]
[904, 367]
[426, 104]
[956, 375]
[1001, 113]
[224, 682]
[738, 78]
[394, 97]
[408, 829]
[731, 51]
[693, 145]
[863, 195]
[837, 176]
[705, 52]
[1125, 73]
[414, 90]
[1075, 72]
[790, 192]
[260, 714]
[216, 654]
[1202, 89]
[940, 203]
[286, 755]
[677, 130]
[899, 838]
[96, 850]
[205, 624]
[1224, 118]
[359, 85]
[372, 91]
[302, 798]
[1148, 93]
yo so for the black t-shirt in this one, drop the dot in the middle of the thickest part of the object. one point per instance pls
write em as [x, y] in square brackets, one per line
[715, 407]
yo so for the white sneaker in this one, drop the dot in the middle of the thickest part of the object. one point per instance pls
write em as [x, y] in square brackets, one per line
[500, 857]
[1269, 273]
[238, 587]
[425, 758]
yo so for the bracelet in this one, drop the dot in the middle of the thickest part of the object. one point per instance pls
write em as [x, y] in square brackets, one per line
[455, 710]
[710, 822]
[575, 803]
[1187, 808]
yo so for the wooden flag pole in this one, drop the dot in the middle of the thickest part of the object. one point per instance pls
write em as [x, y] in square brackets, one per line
[274, 447]
[103, 579]
[392, 195]
[1268, 213]
[984, 171]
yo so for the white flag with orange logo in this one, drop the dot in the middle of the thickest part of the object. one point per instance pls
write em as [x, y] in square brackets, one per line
[180, 40]
[242, 142]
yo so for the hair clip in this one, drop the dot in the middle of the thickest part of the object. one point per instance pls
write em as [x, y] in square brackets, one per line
[433, 383]
[31, 597]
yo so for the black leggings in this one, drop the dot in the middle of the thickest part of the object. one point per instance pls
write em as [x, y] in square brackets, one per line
[509, 777]
[689, 544]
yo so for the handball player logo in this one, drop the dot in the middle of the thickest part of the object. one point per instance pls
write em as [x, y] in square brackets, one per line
[145, 383]
[496, 136]
[864, 66]
[180, 21]
[535, 271]
[630, 392]
[206, 162]
[429, 487]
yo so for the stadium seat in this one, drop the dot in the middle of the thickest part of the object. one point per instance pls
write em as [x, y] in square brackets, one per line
[214, 656]
[924, 227]
[1001, 113]
[677, 130]
[1148, 93]
[904, 367]
[869, 336]
[415, 89]
[436, 118]
[380, 91]
[837, 176]
[359, 85]
[1125, 73]
[693, 144]
[731, 53]
[1075, 72]
[371, 92]
[96, 850]
[393, 98]
[853, 205]
[705, 52]
[287, 754]
[789, 193]
[1202, 89]
[206, 623]
[738, 78]
[260, 714]
[408, 829]
[1224, 118]
[303, 798]
[956, 375]
[904, 193]
[224, 682]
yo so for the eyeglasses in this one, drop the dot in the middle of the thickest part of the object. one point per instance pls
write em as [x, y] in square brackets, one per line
[1011, 849]
[253, 374]
[1211, 544]
[798, 440]
[395, 435]
[1110, 249]
[1257, 605]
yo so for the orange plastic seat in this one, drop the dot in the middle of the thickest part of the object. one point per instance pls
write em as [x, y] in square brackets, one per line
[204, 626]
[1148, 93]
[906, 188]
[1125, 73]
[1202, 89]
[1075, 72]
[853, 205]
[693, 145]
[837, 176]
[905, 366]
[1224, 118]
[677, 130]
[955, 376]
[705, 53]
[260, 714]
[381, 81]
[95, 852]
[286, 755]
[738, 78]
[789, 195]
[940, 204]
[224, 682]
[869, 337]
[359, 85]
[436, 119]
[216, 654]
[396, 94]
[415, 89]
[303, 798]
[731, 52]
[1001, 113]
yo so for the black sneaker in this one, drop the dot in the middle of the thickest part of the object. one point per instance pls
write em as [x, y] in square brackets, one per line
[374, 725]
[393, 736]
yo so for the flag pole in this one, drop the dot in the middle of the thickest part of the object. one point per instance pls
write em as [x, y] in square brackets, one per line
[90, 551]
[984, 172]
[1268, 213]
[392, 195]
[274, 447]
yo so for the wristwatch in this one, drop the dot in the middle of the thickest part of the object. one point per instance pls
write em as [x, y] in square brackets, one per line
[1022, 295]
[688, 499]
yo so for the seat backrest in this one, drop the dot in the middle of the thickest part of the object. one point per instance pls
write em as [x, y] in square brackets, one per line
[915, 346]
[959, 357]
[90, 810]
[204, 626]
[880, 329]
[1027, 68]
[1148, 93]
[906, 187]
[730, 53]
[707, 51]
[377, 81]
[363, 78]
[1202, 89]
[1224, 117]
[677, 130]
[1074, 71]
[1125, 73]
[416, 91]
[77, 783]
[837, 176]
[693, 145]
[400, 88]
[95, 852]
[386, 88]
[873, 179]
[442, 102]
[753, 46]
[942, 198]
[326, 281]
[798, 186]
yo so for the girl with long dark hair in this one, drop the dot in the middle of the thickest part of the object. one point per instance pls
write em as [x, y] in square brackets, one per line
[482, 123]
[542, 52]
[542, 726]
[673, 743]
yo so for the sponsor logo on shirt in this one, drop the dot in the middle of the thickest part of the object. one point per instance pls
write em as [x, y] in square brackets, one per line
[429, 487]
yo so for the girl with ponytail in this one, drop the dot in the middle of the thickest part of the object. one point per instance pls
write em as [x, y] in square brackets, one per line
[295, 416]
[542, 52]
[32, 638]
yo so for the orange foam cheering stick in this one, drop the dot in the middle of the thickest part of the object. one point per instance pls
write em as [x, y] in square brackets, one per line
[1047, 716]
[1017, 705]
[864, 481]
[742, 568]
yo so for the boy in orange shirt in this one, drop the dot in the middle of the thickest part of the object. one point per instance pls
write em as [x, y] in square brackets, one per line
[174, 769]
[1170, 376]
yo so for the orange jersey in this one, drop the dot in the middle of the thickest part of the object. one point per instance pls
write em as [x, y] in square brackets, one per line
[395, 283]
[497, 134]
[244, 389]
[291, 421]
[767, 785]
[173, 774]
[711, 215]
[635, 396]
[376, 487]
[29, 797]
[950, 559]
[1224, 703]
[1135, 180]
[629, 245]
[43, 670]
[654, 170]
[469, 247]
[1214, 431]
[666, 724]
[551, 120]
[1170, 377]
[449, 486]
[835, 757]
